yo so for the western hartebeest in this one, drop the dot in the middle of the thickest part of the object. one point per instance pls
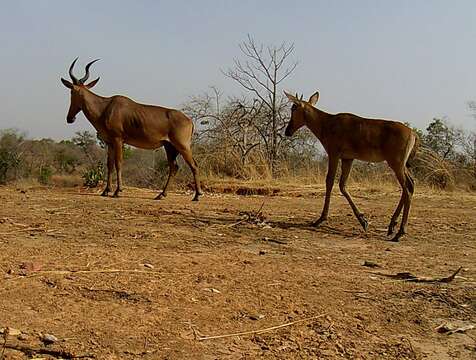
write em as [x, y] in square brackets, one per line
[347, 137]
[120, 120]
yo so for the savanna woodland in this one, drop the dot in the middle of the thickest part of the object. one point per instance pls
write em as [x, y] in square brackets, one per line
[240, 274]
[237, 138]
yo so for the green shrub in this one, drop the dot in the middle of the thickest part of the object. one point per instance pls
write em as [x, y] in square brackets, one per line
[45, 174]
[9, 161]
[94, 176]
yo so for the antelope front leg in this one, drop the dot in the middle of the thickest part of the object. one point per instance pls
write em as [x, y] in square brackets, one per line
[171, 153]
[110, 169]
[396, 214]
[331, 174]
[407, 193]
[346, 167]
[187, 156]
[118, 155]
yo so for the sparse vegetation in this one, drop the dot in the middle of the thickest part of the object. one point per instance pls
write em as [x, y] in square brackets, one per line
[45, 174]
[219, 146]
[93, 176]
[10, 154]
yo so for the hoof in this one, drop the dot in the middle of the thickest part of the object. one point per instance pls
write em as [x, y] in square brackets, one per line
[391, 228]
[363, 222]
[397, 237]
[318, 222]
[160, 196]
[196, 197]
[116, 193]
[105, 193]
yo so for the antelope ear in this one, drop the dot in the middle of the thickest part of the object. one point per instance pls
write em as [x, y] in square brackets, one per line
[66, 83]
[92, 83]
[313, 99]
[292, 98]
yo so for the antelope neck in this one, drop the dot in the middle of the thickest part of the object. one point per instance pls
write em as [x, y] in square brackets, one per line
[93, 105]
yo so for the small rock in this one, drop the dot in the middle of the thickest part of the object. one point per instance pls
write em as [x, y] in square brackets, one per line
[23, 337]
[262, 252]
[370, 264]
[150, 266]
[212, 290]
[30, 266]
[10, 331]
[256, 316]
[14, 332]
[49, 339]
[455, 327]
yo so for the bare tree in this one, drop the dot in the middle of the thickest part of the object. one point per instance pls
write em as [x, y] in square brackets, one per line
[261, 72]
[229, 126]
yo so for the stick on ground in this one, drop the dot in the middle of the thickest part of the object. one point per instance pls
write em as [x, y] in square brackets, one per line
[103, 271]
[259, 331]
[30, 351]
[406, 276]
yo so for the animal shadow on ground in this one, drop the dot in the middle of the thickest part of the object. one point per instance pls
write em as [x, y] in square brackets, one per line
[122, 196]
[306, 225]
[233, 219]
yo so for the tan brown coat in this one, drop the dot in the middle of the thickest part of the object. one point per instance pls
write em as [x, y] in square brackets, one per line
[120, 120]
[347, 137]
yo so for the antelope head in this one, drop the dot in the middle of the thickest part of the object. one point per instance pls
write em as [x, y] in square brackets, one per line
[298, 112]
[76, 87]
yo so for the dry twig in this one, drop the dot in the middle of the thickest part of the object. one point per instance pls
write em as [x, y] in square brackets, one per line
[259, 331]
[276, 241]
[251, 217]
[5, 338]
[406, 276]
[30, 351]
[29, 229]
[104, 271]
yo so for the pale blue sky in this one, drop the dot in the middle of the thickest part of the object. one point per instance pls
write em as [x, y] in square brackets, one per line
[402, 60]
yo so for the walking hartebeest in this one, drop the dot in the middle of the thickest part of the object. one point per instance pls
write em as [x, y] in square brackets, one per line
[120, 120]
[348, 137]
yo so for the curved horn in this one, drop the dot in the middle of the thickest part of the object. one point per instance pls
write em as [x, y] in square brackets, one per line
[75, 80]
[86, 77]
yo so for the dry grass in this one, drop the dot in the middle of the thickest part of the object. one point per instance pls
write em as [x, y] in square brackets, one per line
[307, 183]
[225, 173]
[66, 181]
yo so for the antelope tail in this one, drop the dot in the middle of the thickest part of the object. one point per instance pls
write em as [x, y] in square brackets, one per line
[416, 146]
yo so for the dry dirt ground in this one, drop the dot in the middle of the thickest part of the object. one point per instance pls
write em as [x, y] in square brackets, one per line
[134, 278]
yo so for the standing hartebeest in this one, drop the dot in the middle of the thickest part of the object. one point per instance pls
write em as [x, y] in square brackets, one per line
[348, 137]
[120, 120]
